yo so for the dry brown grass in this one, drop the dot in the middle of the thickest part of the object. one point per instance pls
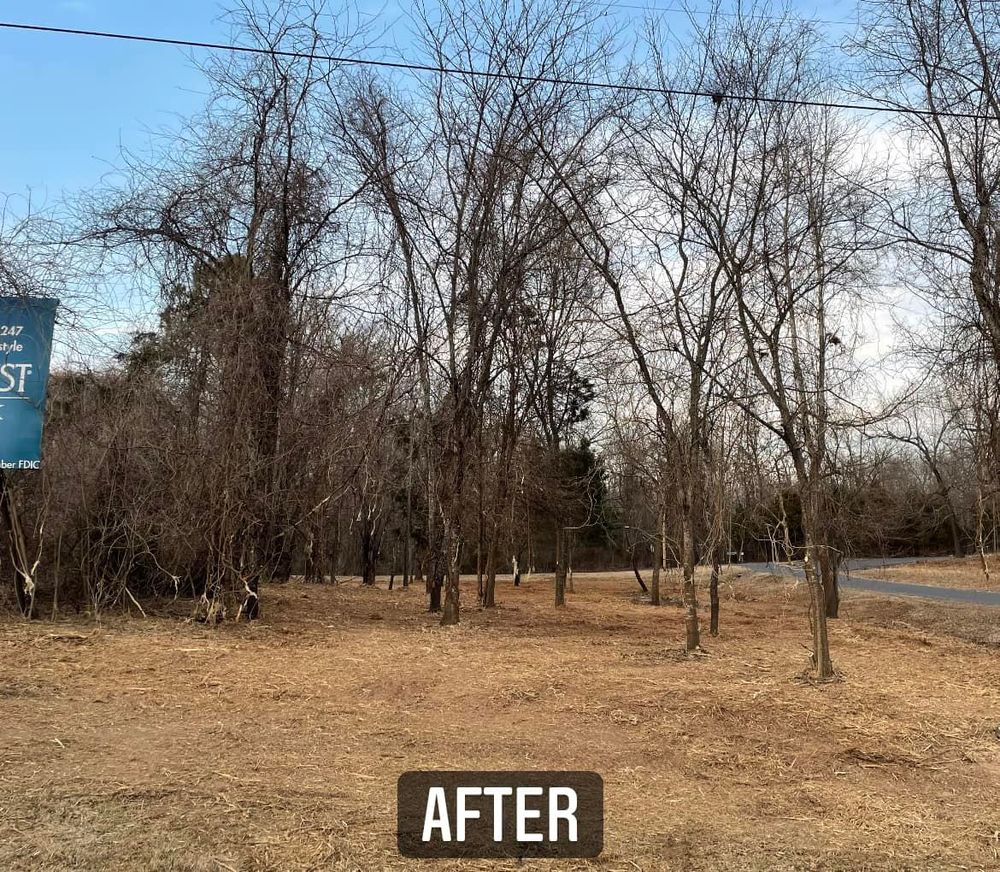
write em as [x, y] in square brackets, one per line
[164, 745]
[966, 572]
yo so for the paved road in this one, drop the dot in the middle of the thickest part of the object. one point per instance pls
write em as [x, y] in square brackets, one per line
[890, 588]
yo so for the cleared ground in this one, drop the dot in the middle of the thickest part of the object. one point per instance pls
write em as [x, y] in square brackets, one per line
[159, 744]
[966, 572]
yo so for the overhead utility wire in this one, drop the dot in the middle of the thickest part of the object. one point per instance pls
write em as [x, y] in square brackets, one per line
[715, 96]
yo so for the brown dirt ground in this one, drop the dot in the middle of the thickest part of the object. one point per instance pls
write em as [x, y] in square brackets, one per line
[966, 572]
[166, 745]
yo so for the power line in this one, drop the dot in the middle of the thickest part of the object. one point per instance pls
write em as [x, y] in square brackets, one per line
[715, 96]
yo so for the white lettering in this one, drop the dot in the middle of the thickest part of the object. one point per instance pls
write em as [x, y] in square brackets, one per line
[567, 814]
[498, 793]
[524, 813]
[13, 374]
[25, 369]
[436, 815]
[463, 814]
[563, 803]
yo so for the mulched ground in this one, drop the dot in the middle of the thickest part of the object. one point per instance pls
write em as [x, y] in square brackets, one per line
[161, 744]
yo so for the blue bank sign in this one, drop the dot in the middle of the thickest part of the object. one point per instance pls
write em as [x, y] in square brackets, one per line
[25, 349]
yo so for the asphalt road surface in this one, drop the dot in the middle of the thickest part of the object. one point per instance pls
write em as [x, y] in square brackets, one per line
[889, 588]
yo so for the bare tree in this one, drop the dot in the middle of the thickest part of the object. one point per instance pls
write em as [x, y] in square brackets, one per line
[931, 430]
[455, 179]
[785, 226]
[937, 60]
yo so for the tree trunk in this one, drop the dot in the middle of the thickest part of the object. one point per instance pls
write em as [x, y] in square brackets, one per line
[480, 549]
[817, 617]
[331, 551]
[309, 558]
[489, 593]
[434, 587]
[435, 578]
[787, 538]
[657, 560]
[449, 608]
[250, 609]
[408, 525]
[635, 570]
[55, 578]
[560, 585]
[829, 564]
[692, 631]
[281, 572]
[369, 553]
[569, 566]
[560, 569]
[817, 595]
[713, 594]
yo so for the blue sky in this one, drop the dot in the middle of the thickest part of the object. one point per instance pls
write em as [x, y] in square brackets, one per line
[70, 103]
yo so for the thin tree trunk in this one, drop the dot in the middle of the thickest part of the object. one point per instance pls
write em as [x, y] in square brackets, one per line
[480, 576]
[691, 628]
[435, 584]
[829, 563]
[560, 568]
[787, 540]
[657, 560]
[713, 594]
[635, 569]
[55, 579]
[369, 553]
[980, 534]
[433, 569]
[450, 605]
[332, 551]
[408, 525]
[309, 558]
[817, 597]
[569, 566]
[480, 540]
[489, 594]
